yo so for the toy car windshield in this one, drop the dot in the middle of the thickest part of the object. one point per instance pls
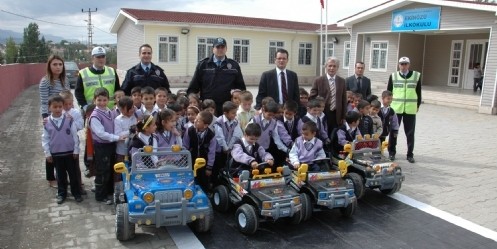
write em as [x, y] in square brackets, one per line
[161, 159]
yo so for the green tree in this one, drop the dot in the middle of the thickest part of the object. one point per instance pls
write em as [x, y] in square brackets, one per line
[32, 46]
[2, 58]
[11, 51]
[43, 50]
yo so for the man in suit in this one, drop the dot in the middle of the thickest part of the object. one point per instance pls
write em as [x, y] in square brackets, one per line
[273, 85]
[332, 88]
[358, 83]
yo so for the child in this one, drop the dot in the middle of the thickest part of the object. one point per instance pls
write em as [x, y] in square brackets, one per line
[371, 98]
[104, 142]
[160, 98]
[191, 114]
[210, 106]
[373, 113]
[172, 98]
[288, 122]
[227, 132]
[194, 99]
[61, 147]
[167, 134]
[89, 150]
[314, 110]
[148, 103]
[350, 101]
[347, 132]
[366, 123]
[390, 123]
[245, 111]
[304, 99]
[200, 140]
[247, 153]
[181, 93]
[118, 94]
[136, 96]
[122, 124]
[145, 136]
[307, 148]
[270, 138]
[235, 96]
[477, 77]
[180, 118]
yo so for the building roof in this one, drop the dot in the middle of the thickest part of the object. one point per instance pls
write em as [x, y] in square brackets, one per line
[395, 4]
[141, 16]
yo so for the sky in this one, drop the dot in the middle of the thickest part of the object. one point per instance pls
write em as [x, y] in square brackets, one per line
[74, 25]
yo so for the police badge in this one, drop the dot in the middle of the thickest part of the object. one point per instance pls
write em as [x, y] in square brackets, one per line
[157, 72]
[229, 66]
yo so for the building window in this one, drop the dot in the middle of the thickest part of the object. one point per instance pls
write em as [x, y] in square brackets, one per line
[379, 55]
[204, 47]
[305, 51]
[455, 63]
[168, 49]
[241, 50]
[273, 47]
[346, 54]
[329, 53]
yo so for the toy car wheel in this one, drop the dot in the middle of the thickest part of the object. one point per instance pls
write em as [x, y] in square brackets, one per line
[349, 210]
[125, 230]
[307, 206]
[396, 187]
[205, 224]
[358, 184]
[246, 219]
[220, 198]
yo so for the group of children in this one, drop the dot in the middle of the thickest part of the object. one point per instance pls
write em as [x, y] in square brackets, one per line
[292, 133]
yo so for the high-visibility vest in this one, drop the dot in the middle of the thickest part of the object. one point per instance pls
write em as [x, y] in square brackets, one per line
[92, 81]
[405, 98]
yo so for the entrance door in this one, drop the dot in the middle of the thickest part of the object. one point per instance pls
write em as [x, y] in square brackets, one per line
[476, 52]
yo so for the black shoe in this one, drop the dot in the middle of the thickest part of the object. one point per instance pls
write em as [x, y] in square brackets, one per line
[105, 201]
[78, 199]
[411, 159]
[392, 157]
[60, 199]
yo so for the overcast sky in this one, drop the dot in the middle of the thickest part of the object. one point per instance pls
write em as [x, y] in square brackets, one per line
[68, 12]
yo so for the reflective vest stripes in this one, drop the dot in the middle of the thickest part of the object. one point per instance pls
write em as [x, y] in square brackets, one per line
[405, 98]
[92, 81]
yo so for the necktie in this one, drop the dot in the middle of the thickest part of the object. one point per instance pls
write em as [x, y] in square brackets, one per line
[318, 123]
[249, 149]
[289, 125]
[359, 85]
[308, 145]
[284, 92]
[333, 93]
[218, 63]
[151, 141]
[147, 69]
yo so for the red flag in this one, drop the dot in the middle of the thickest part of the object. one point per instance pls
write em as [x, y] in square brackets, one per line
[322, 4]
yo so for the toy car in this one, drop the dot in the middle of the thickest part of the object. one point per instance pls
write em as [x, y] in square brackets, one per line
[259, 198]
[162, 193]
[323, 190]
[367, 167]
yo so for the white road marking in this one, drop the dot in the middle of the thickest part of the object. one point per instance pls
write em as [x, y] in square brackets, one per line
[456, 220]
[184, 238]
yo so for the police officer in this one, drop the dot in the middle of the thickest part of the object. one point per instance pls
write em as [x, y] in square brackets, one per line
[216, 76]
[96, 76]
[145, 73]
[405, 85]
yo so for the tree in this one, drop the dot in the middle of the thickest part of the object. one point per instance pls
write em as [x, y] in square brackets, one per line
[32, 48]
[1, 58]
[11, 51]
[43, 50]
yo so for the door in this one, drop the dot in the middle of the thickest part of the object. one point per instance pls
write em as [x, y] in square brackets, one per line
[476, 52]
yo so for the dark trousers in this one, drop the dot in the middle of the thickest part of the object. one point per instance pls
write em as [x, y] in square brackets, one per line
[219, 164]
[331, 116]
[477, 84]
[409, 127]
[65, 165]
[105, 155]
[50, 169]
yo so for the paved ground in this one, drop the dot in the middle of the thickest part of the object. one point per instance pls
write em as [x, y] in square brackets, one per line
[455, 172]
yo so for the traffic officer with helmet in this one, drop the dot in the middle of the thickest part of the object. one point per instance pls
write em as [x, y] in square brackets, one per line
[96, 76]
[405, 86]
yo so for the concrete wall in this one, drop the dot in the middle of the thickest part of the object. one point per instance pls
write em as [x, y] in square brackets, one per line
[14, 78]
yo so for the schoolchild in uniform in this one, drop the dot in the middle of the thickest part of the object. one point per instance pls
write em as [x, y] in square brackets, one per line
[227, 132]
[245, 111]
[373, 113]
[390, 122]
[308, 148]
[210, 106]
[200, 140]
[161, 98]
[179, 117]
[104, 143]
[191, 114]
[136, 96]
[314, 111]
[366, 123]
[290, 119]
[247, 153]
[304, 99]
[118, 94]
[347, 132]
[60, 143]
[148, 103]
[167, 134]
[235, 96]
[145, 136]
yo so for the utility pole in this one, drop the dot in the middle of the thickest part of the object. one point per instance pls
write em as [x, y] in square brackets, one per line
[90, 27]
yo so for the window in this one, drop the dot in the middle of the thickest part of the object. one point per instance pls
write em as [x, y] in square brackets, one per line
[346, 54]
[379, 55]
[331, 52]
[204, 47]
[168, 49]
[273, 47]
[305, 51]
[455, 63]
[241, 50]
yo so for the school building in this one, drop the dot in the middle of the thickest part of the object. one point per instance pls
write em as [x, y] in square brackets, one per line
[443, 39]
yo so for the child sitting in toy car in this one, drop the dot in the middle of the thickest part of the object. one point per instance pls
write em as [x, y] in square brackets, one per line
[346, 133]
[247, 153]
[145, 136]
[308, 148]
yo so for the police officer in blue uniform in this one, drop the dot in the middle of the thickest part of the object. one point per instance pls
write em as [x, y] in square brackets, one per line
[216, 76]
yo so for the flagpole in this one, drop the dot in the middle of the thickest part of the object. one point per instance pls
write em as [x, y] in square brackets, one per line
[321, 43]
[326, 32]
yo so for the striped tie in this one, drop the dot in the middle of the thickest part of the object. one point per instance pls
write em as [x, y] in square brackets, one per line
[332, 94]
[308, 145]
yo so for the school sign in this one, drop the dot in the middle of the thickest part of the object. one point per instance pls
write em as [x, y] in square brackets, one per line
[416, 19]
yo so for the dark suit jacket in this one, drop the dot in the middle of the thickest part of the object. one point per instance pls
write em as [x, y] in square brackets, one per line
[268, 87]
[365, 86]
[321, 87]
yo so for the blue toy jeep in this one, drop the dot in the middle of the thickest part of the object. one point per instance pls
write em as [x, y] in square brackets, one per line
[160, 190]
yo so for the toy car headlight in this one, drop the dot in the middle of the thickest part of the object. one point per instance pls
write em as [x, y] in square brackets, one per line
[148, 197]
[296, 200]
[323, 196]
[267, 205]
[188, 194]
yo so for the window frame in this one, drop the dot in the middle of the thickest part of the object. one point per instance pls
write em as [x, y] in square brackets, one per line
[372, 49]
[168, 43]
[241, 45]
[208, 46]
[310, 54]
[346, 54]
[272, 55]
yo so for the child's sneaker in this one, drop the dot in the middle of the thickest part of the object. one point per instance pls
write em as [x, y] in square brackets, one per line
[60, 199]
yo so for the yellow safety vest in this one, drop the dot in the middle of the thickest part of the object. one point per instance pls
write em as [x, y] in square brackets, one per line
[405, 98]
[93, 81]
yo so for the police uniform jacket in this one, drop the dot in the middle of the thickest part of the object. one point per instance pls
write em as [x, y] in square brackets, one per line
[136, 76]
